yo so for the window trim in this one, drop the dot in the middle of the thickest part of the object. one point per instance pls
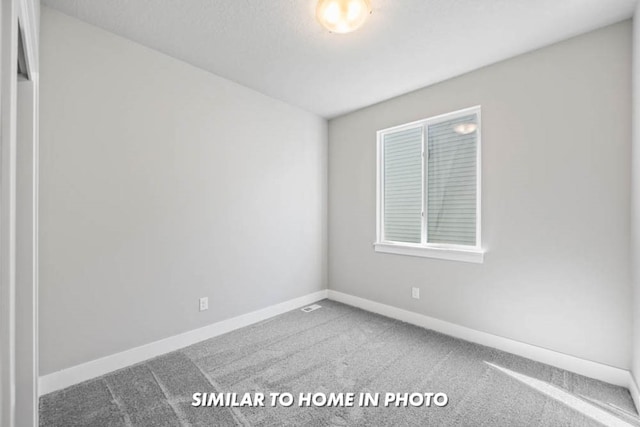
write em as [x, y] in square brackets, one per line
[452, 252]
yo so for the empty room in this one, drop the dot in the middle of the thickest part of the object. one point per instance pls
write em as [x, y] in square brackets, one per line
[319, 213]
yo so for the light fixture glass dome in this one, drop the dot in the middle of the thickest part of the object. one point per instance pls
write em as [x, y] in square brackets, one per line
[342, 16]
[465, 128]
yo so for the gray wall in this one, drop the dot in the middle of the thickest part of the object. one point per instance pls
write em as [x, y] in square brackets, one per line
[162, 183]
[556, 187]
[635, 199]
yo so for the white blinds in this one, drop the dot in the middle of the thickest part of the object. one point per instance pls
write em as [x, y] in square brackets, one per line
[451, 181]
[403, 185]
[431, 198]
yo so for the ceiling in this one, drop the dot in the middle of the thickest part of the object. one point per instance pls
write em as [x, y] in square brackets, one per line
[277, 47]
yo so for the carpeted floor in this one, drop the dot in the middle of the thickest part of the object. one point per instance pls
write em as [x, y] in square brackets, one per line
[340, 349]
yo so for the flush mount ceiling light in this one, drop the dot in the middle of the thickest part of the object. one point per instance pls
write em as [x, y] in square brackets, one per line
[465, 128]
[342, 16]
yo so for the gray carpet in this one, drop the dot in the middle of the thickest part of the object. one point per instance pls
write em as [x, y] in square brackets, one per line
[340, 349]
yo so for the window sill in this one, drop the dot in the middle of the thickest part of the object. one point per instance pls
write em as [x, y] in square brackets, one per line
[464, 255]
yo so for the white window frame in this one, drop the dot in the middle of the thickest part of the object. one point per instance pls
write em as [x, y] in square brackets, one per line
[451, 252]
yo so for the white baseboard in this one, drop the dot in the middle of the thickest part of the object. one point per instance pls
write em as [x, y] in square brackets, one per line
[635, 391]
[95, 368]
[580, 366]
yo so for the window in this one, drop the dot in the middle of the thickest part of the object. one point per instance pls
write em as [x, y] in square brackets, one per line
[429, 188]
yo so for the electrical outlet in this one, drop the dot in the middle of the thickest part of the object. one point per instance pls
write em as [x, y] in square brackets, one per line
[415, 293]
[204, 303]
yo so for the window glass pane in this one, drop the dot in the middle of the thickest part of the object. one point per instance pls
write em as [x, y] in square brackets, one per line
[451, 178]
[403, 185]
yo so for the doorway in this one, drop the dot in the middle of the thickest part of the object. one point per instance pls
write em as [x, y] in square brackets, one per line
[18, 214]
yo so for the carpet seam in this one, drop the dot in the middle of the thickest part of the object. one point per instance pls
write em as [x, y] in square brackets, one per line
[179, 414]
[237, 416]
[119, 404]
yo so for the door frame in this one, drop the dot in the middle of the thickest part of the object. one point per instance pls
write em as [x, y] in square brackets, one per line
[18, 18]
